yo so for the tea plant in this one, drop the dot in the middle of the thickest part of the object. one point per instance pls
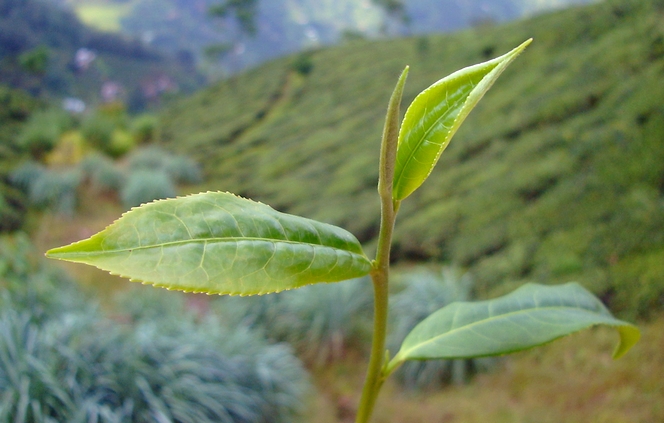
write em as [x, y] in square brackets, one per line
[219, 243]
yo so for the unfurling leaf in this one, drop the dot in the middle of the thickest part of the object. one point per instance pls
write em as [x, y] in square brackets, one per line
[530, 316]
[434, 117]
[219, 243]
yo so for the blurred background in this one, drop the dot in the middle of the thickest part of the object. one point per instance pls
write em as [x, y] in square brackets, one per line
[557, 176]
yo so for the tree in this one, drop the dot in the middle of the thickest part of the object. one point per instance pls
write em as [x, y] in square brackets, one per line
[243, 10]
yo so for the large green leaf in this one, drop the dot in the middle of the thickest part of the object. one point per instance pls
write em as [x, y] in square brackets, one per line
[434, 117]
[530, 316]
[219, 243]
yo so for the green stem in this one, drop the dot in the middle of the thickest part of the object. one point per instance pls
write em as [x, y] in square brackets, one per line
[380, 271]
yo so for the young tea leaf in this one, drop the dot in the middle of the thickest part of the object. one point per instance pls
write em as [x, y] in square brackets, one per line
[219, 243]
[530, 316]
[434, 117]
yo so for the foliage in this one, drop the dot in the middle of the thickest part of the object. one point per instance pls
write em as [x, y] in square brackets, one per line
[146, 185]
[244, 12]
[42, 131]
[303, 64]
[181, 169]
[103, 173]
[15, 107]
[219, 243]
[153, 174]
[62, 360]
[424, 292]
[553, 182]
[55, 189]
[319, 321]
[97, 129]
[144, 128]
[35, 60]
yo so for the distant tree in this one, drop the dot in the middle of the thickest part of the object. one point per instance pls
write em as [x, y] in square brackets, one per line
[243, 10]
[35, 61]
[395, 11]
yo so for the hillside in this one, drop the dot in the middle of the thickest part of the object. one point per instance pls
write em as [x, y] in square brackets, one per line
[558, 175]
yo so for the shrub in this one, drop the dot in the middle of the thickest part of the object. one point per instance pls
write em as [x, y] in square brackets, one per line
[25, 175]
[179, 168]
[56, 190]
[152, 157]
[303, 63]
[61, 360]
[183, 170]
[48, 188]
[42, 131]
[103, 174]
[424, 293]
[145, 185]
[98, 129]
[144, 128]
[319, 321]
[122, 142]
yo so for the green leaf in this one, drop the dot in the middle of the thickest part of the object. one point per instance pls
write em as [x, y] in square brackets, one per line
[219, 243]
[530, 316]
[434, 117]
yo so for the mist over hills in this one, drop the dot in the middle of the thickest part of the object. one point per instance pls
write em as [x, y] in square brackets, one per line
[558, 175]
[47, 51]
[185, 28]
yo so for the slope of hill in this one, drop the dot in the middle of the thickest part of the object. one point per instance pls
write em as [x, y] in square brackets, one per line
[558, 175]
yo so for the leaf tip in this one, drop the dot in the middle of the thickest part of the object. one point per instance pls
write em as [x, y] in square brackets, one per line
[629, 336]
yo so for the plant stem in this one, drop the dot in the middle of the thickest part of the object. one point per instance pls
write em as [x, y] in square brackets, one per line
[380, 279]
[381, 265]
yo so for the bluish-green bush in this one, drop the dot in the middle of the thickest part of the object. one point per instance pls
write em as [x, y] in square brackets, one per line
[25, 175]
[61, 360]
[183, 170]
[319, 321]
[146, 185]
[152, 158]
[53, 189]
[103, 173]
[42, 131]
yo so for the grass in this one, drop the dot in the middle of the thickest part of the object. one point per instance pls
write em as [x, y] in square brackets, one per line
[61, 359]
[557, 175]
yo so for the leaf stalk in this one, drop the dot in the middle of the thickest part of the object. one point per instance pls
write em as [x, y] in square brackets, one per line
[380, 266]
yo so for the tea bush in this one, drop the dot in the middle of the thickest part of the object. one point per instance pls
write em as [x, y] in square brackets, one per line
[42, 130]
[62, 360]
[103, 173]
[319, 321]
[146, 185]
[54, 189]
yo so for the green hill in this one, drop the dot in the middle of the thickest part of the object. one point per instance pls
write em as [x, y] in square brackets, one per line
[558, 175]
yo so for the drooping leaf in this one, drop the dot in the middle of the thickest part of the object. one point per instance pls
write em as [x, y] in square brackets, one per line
[530, 316]
[219, 243]
[434, 117]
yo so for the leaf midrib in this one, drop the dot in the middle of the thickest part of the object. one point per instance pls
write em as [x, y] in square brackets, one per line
[495, 317]
[204, 240]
